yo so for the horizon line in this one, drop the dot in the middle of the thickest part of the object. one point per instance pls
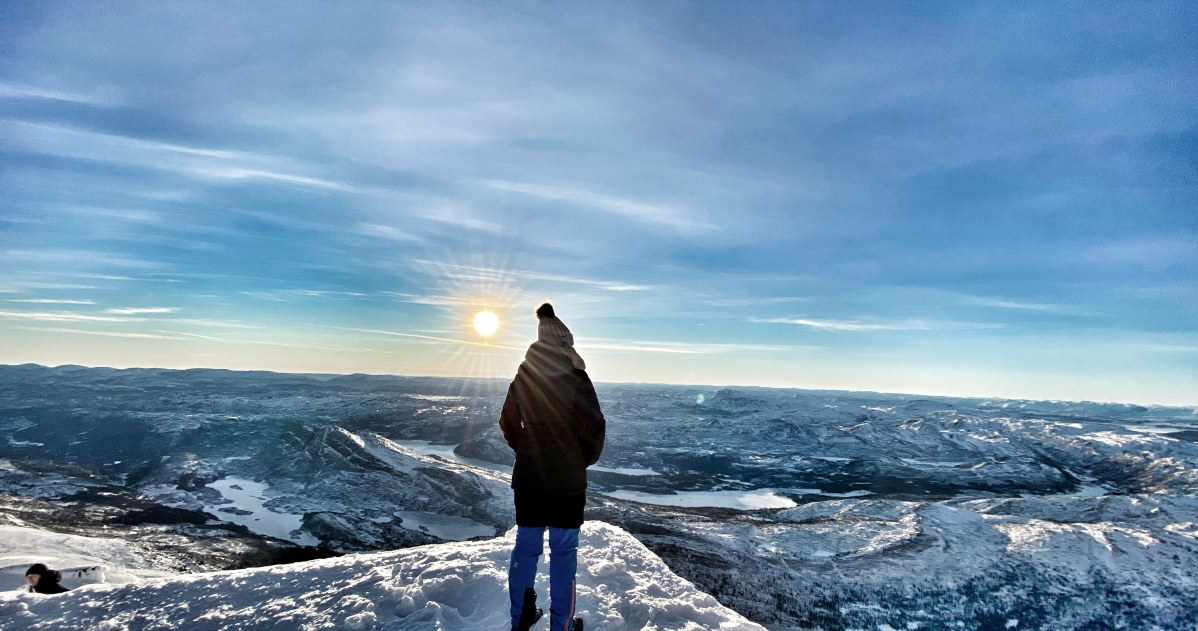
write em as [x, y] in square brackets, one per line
[636, 383]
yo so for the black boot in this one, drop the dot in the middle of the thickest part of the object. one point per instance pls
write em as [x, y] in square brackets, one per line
[529, 611]
[576, 625]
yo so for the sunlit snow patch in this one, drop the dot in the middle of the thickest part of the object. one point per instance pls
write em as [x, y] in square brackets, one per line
[741, 500]
[446, 452]
[857, 493]
[631, 471]
[1152, 429]
[104, 560]
[446, 527]
[246, 506]
[621, 586]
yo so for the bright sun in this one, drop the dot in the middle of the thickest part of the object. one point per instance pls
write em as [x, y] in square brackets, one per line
[486, 323]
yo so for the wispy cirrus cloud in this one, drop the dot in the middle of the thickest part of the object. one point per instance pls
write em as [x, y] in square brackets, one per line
[389, 233]
[24, 286]
[211, 324]
[284, 295]
[65, 316]
[675, 217]
[456, 214]
[26, 91]
[75, 260]
[53, 301]
[121, 334]
[1001, 303]
[894, 325]
[606, 285]
[418, 336]
[196, 162]
[141, 310]
[683, 348]
[193, 336]
[477, 273]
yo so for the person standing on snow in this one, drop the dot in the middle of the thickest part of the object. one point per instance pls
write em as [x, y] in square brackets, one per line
[551, 419]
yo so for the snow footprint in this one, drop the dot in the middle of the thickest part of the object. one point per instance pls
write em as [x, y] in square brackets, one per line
[361, 621]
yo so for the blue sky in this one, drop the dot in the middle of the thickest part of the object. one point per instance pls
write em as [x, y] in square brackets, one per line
[967, 198]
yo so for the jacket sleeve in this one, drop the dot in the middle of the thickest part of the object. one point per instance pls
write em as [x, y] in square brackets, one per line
[592, 425]
[509, 419]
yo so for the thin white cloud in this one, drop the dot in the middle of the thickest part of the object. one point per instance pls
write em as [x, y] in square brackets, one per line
[425, 337]
[193, 335]
[851, 325]
[423, 299]
[64, 316]
[456, 214]
[240, 173]
[677, 218]
[319, 347]
[53, 301]
[67, 316]
[20, 91]
[78, 259]
[20, 286]
[389, 233]
[601, 284]
[218, 324]
[640, 347]
[717, 301]
[475, 273]
[129, 215]
[898, 325]
[1152, 251]
[685, 348]
[185, 337]
[199, 162]
[468, 273]
[284, 295]
[148, 336]
[140, 310]
[1000, 303]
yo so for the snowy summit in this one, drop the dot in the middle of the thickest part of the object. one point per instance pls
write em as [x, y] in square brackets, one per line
[453, 586]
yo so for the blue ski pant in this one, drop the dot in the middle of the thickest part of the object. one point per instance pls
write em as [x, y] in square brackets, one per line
[563, 564]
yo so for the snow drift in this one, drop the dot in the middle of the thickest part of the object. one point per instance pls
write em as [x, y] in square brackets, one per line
[451, 586]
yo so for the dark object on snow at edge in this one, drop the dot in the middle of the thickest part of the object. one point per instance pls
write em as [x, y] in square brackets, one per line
[43, 580]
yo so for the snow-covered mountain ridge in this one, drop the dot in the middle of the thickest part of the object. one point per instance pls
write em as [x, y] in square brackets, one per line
[452, 587]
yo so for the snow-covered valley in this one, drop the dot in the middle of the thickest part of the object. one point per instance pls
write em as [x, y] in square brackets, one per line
[797, 509]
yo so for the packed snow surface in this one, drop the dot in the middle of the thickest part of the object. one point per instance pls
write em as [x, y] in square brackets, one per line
[743, 500]
[118, 561]
[450, 587]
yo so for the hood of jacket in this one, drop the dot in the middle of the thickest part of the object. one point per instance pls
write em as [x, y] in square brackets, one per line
[548, 361]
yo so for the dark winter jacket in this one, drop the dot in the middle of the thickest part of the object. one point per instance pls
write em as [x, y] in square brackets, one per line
[551, 419]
